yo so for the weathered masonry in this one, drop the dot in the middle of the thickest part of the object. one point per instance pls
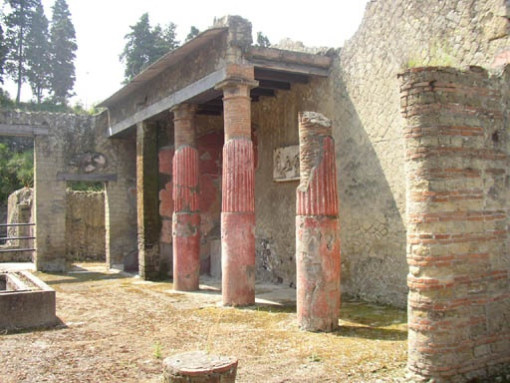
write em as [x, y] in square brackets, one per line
[199, 156]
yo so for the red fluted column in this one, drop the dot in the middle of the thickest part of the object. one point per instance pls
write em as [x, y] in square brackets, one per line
[238, 199]
[186, 216]
[317, 236]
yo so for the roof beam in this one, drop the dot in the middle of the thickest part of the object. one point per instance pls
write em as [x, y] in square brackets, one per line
[257, 92]
[272, 84]
[188, 93]
[290, 61]
[272, 75]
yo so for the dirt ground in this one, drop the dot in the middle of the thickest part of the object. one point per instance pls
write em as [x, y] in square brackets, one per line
[118, 328]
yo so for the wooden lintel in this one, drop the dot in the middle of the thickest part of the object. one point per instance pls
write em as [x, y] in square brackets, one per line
[206, 112]
[282, 76]
[272, 84]
[187, 93]
[262, 92]
[86, 177]
[23, 130]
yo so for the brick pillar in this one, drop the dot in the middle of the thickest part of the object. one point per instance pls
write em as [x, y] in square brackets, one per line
[49, 204]
[186, 216]
[457, 226]
[238, 191]
[317, 237]
[147, 201]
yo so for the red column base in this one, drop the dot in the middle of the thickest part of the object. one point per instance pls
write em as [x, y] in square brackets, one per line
[186, 249]
[238, 258]
[318, 272]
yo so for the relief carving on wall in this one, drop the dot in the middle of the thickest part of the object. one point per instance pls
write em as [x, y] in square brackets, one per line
[88, 162]
[286, 164]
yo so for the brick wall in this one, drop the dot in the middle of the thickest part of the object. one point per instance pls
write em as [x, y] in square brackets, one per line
[456, 167]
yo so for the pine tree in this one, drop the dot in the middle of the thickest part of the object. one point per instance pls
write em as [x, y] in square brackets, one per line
[63, 48]
[18, 23]
[145, 45]
[136, 54]
[164, 41]
[38, 54]
[262, 40]
[3, 54]
[193, 32]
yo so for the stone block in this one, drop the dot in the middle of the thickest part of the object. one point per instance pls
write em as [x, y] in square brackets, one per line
[25, 302]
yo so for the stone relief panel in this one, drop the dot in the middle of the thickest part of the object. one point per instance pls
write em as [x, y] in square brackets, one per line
[286, 164]
[88, 162]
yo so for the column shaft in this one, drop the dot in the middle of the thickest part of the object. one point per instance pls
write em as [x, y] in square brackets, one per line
[186, 216]
[317, 237]
[147, 201]
[238, 199]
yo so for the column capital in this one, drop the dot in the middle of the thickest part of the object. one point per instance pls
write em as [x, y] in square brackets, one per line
[184, 124]
[236, 82]
[238, 75]
[184, 110]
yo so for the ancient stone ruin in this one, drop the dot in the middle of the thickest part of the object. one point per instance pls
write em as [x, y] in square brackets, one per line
[25, 302]
[198, 153]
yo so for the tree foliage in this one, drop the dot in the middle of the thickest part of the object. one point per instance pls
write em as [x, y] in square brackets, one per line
[38, 54]
[16, 170]
[18, 22]
[63, 52]
[262, 40]
[145, 44]
[193, 32]
[3, 54]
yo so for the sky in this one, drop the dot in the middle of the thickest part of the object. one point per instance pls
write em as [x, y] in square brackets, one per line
[102, 24]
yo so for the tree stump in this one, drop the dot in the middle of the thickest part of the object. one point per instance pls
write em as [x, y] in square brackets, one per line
[199, 367]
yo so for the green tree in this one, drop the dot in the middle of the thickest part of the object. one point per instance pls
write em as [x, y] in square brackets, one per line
[144, 45]
[16, 170]
[63, 53]
[262, 40]
[136, 54]
[38, 54]
[3, 54]
[164, 41]
[193, 32]
[18, 22]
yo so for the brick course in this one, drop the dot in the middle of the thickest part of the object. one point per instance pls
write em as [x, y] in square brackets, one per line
[457, 241]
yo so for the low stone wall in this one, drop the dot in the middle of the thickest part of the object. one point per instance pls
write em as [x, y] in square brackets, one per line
[85, 226]
[19, 210]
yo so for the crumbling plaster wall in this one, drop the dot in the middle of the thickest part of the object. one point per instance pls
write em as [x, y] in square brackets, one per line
[364, 104]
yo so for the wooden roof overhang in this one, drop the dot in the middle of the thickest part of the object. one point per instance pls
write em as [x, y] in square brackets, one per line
[275, 70]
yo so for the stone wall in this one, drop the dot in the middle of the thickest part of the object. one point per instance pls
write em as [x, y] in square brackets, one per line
[457, 160]
[85, 226]
[363, 102]
[74, 147]
[19, 210]
[275, 125]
